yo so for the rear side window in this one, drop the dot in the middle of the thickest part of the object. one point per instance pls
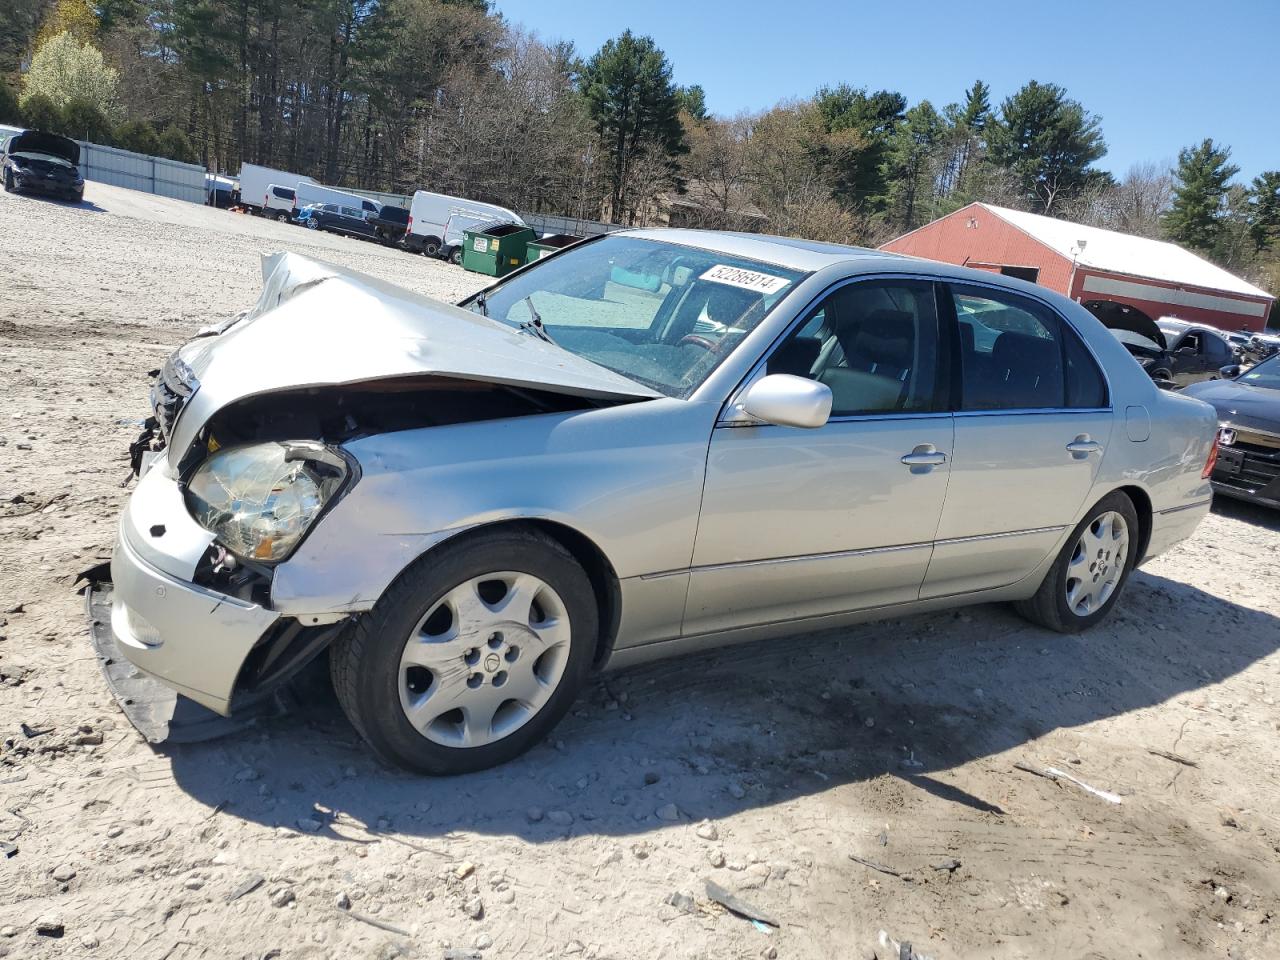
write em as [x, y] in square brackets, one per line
[282, 193]
[1017, 354]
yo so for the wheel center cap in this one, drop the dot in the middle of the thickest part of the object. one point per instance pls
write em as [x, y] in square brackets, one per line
[492, 662]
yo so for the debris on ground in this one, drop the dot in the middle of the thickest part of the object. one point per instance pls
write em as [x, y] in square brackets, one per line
[899, 950]
[880, 867]
[735, 904]
[1054, 774]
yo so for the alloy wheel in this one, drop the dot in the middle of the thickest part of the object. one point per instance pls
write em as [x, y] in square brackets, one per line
[1097, 563]
[484, 659]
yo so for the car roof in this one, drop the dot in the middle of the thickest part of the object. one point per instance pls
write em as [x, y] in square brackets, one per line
[792, 252]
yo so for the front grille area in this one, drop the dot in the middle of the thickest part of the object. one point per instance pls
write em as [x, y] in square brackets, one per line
[1258, 467]
[172, 388]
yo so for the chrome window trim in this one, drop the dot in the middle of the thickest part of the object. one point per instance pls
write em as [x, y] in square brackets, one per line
[726, 416]
[1185, 506]
[1030, 411]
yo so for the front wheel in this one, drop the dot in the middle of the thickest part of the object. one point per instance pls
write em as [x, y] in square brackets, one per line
[312, 224]
[455, 256]
[8, 181]
[1085, 581]
[281, 216]
[472, 655]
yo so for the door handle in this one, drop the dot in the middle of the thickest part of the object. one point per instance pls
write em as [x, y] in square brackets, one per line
[1082, 446]
[924, 458]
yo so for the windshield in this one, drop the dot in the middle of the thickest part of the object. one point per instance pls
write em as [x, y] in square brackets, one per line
[1132, 339]
[1266, 374]
[661, 314]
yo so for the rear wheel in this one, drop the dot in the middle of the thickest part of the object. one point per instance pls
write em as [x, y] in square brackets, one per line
[431, 247]
[1085, 581]
[312, 223]
[472, 655]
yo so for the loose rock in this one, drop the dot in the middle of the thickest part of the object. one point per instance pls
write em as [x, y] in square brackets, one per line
[668, 812]
[534, 814]
[342, 902]
[64, 873]
[707, 830]
[561, 818]
[736, 790]
[50, 925]
[282, 897]
[474, 908]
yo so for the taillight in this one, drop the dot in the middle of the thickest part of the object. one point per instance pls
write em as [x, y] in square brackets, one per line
[409, 226]
[1210, 463]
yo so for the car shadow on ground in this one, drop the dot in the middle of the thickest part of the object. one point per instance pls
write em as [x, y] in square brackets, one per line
[87, 205]
[1243, 510]
[754, 725]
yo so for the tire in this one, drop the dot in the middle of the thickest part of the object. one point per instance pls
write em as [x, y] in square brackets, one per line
[1068, 602]
[312, 224]
[431, 247]
[281, 216]
[415, 654]
[455, 256]
[8, 182]
[1161, 374]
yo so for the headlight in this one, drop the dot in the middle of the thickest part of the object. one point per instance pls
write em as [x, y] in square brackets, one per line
[1146, 361]
[259, 500]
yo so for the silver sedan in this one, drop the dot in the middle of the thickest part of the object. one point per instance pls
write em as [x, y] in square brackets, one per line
[649, 443]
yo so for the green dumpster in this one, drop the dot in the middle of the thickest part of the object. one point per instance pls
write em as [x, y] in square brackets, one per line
[548, 245]
[495, 250]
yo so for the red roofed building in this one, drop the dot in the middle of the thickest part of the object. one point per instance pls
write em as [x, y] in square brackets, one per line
[1091, 265]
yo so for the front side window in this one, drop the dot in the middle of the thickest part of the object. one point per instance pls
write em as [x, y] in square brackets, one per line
[1016, 354]
[661, 314]
[874, 343]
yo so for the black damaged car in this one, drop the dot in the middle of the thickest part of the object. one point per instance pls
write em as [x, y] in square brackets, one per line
[1248, 406]
[37, 162]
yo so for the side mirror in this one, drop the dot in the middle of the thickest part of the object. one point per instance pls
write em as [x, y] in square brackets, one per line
[1230, 371]
[788, 401]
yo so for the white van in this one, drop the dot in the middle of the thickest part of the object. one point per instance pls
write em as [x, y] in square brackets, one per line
[430, 214]
[311, 192]
[278, 203]
[256, 181]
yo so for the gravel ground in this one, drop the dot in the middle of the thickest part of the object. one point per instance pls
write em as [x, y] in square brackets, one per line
[763, 768]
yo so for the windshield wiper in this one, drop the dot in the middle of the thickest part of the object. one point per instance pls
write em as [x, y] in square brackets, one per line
[534, 325]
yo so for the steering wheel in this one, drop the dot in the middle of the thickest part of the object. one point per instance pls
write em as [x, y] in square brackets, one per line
[698, 340]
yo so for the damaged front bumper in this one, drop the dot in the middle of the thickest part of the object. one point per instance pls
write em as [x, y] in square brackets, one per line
[192, 638]
[224, 652]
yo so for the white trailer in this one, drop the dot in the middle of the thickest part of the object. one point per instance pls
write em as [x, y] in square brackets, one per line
[430, 214]
[309, 192]
[256, 181]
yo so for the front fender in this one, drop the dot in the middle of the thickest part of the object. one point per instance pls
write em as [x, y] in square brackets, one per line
[628, 478]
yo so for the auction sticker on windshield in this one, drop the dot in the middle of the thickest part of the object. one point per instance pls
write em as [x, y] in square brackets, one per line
[746, 279]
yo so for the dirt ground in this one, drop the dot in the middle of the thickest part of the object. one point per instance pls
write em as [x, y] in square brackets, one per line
[762, 768]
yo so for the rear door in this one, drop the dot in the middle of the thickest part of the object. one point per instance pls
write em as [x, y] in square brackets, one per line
[1032, 424]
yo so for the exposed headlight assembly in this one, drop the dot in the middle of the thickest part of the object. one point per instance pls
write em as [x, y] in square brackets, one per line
[260, 499]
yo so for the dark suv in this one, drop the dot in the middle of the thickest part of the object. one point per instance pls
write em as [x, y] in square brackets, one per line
[37, 162]
[337, 219]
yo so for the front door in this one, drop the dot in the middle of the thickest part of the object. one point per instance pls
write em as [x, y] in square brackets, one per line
[801, 523]
[1031, 428]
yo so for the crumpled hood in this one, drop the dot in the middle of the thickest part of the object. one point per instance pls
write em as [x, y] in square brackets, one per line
[37, 141]
[319, 325]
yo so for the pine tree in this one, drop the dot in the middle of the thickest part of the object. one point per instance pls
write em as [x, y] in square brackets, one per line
[1264, 201]
[1048, 142]
[636, 109]
[1202, 175]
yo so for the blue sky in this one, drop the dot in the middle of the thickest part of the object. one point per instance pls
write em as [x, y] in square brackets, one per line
[1161, 74]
